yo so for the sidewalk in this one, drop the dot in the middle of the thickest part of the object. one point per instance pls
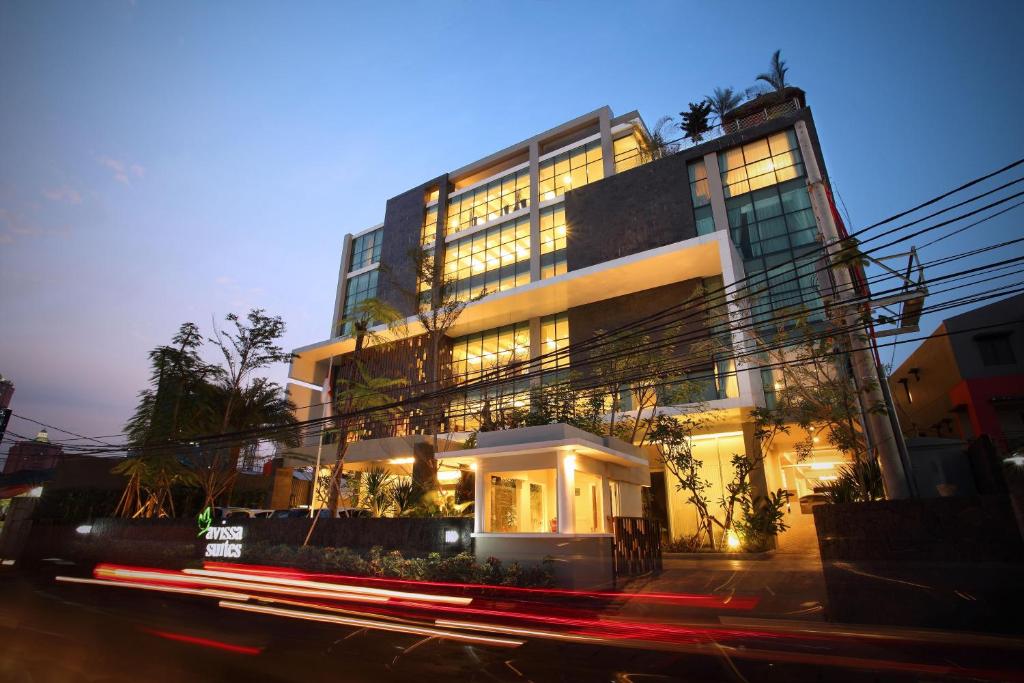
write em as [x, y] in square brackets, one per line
[788, 585]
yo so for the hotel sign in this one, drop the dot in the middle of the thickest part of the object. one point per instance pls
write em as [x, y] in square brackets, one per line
[224, 541]
[221, 541]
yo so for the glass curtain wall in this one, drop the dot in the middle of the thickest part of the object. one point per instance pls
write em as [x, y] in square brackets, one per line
[570, 170]
[489, 201]
[490, 356]
[495, 259]
[771, 222]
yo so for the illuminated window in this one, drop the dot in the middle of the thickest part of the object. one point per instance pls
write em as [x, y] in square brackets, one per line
[497, 259]
[522, 502]
[359, 288]
[489, 202]
[627, 152]
[424, 285]
[429, 231]
[366, 249]
[432, 195]
[554, 337]
[552, 241]
[761, 163]
[700, 193]
[499, 351]
[570, 170]
[772, 224]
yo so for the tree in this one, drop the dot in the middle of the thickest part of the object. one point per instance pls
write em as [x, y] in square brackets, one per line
[722, 101]
[358, 385]
[176, 373]
[658, 145]
[694, 122]
[251, 346]
[436, 316]
[776, 74]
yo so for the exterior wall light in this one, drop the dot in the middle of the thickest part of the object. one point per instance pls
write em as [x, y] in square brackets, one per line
[84, 529]
[451, 536]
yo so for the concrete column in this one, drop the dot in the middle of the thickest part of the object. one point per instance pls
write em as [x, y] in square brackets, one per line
[883, 439]
[534, 211]
[718, 211]
[604, 122]
[480, 502]
[606, 505]
[339, 296]
[565, 481]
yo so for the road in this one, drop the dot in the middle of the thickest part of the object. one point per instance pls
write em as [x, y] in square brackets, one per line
[60, 631]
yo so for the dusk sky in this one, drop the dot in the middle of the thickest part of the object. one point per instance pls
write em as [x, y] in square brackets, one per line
[171, 161]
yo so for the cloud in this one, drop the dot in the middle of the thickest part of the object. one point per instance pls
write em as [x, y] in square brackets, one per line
[123, 171]
[14, 225]
[225, 280]
[64, 194]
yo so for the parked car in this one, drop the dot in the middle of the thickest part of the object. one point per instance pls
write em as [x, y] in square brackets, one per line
[351, 513]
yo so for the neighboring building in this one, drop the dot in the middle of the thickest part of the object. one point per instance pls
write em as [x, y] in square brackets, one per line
[967, 378]
[37, 454]
[576, 230]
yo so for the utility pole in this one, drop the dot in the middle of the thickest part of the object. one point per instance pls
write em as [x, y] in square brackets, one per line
[883, 440]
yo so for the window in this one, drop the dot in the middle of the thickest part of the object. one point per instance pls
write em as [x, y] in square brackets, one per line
[570, 170]
[429, 231]
[774, 230]
[700, 193]
[366, 249]
[497, 259]
[554, 337]
[589, 492]
[489, 201]
[522, 502]
[359, 288]
[552, 241]
[761, 163]
[995, 349]
[627, 152]
[475, 354]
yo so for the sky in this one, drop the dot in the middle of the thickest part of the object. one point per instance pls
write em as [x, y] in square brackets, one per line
[163, 162]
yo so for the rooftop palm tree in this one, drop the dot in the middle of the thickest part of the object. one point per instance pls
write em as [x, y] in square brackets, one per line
[724, 100]
[776, 75]
[695, 120]
[658, 144]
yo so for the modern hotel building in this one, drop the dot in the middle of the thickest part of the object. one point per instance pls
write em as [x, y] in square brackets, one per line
[575, 230]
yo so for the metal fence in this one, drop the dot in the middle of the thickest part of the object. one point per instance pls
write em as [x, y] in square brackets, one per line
[636, 547]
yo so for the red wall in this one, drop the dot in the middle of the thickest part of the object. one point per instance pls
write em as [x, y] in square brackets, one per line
[976, 395]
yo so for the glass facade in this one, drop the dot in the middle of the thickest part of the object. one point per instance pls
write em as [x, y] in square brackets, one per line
[554, 337]
[366, 249]
[569, 170]
[522, 502]
[771, 222]
[627, 152]
[429, 230]
[700, 193]
[489, 201]
[475, 354]
[761, 163]
[497, 258]
[552, 241]
[359, 288]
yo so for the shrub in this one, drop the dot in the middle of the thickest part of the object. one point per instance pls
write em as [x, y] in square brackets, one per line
[460, 568]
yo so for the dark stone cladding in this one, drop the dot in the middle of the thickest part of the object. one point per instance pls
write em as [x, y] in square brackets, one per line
[650, 206]
[403, 221]
[620, 311]
[641, 209]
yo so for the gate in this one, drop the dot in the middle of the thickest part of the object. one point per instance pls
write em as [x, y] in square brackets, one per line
[636, 547]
